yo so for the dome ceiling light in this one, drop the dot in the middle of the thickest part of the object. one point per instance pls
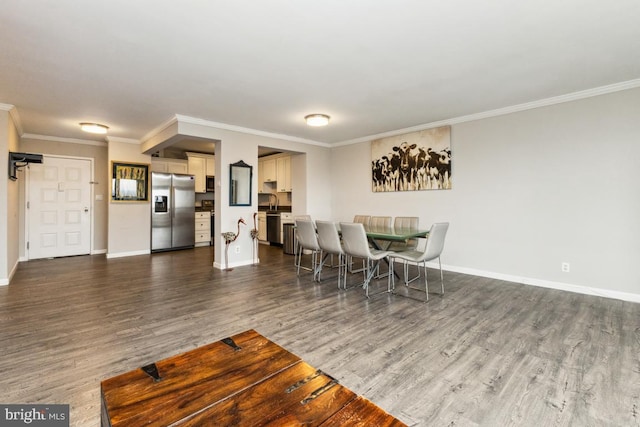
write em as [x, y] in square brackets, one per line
[94, 128]
[317, 119]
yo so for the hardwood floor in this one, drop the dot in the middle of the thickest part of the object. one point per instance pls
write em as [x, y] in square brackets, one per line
[488, 353]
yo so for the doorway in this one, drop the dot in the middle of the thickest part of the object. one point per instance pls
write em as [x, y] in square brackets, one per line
[58, 207]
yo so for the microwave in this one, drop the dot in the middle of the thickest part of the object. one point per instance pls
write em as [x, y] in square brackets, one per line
[211, 183]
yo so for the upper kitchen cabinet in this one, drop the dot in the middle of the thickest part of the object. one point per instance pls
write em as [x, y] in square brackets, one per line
[283, 174]
[198, 163]
[269, 173]
[167, 165]
[274, 174]
[260, 176]
[211, 166]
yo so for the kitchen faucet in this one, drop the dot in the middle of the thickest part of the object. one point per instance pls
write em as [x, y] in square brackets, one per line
[271, 207]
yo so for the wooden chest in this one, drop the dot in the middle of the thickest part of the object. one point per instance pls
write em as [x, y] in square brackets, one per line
[244, 380]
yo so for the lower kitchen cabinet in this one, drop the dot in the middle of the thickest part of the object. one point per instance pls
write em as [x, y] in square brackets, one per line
[203, 228]
[262, 226]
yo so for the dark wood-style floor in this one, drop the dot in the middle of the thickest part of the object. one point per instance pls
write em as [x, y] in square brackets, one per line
[488, 353]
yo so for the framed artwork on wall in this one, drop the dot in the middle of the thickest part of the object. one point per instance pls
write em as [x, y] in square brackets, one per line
[129, 182]
[411, 162]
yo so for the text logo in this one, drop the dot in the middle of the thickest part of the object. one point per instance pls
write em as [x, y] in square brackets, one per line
[34, 415]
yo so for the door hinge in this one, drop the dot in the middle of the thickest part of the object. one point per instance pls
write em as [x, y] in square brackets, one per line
[28, 204]
[27, 245]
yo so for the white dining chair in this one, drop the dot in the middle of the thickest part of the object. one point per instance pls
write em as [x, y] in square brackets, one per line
[296, 245]
[356, 244]
[405, 223]
[364, 220]
[432, 250]
[329, 242]
[383, 222]
[307, 239]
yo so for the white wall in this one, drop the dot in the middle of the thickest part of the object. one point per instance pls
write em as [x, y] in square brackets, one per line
[129, 222]
[530, 190]
[9, 204]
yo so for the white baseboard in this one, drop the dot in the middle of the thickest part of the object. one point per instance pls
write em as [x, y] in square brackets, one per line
[125, 254]
[98, 251]
[606, 293]
[233, 264]
[7, 280]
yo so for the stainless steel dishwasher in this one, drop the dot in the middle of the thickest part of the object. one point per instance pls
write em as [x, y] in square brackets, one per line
[273, 228]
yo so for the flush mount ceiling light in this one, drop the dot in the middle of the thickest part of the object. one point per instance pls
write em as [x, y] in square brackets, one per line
[94, 128]
[317, 119]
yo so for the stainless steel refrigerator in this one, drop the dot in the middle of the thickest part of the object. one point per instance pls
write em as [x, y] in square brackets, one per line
[172, 211]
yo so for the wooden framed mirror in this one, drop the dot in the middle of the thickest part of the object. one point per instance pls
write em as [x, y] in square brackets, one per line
[240, 176]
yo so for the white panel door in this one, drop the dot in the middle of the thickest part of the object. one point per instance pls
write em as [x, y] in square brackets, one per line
[59, 208]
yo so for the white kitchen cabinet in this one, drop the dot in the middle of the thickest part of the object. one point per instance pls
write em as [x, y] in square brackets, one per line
[269, 173]
[260, 176]
[203, 228]
[198, 168]
[283, 174]
[211, 165]
[262, 226]
[169, 165]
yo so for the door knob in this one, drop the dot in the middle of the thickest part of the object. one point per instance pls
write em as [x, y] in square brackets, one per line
[86, 210]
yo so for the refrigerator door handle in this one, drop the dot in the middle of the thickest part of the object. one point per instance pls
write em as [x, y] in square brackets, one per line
[173, 198]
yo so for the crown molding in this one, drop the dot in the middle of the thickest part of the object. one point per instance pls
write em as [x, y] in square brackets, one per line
[195, 121]
[574, 96]
[123, 140]
[13, 112]
[66, 140]
[159, 129]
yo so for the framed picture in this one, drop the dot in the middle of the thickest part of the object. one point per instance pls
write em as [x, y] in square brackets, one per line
[413, 161]
[129, 182]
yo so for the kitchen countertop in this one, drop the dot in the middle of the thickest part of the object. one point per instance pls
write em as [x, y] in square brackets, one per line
[201, 209]
[280, 209]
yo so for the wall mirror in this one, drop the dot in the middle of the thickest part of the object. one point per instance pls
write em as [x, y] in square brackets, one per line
[240, 175]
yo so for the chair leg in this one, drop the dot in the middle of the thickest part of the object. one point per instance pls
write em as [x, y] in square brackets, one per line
[342, 270]
[406, 274]
[391, 280]
[317, 270]
[441, 276]
[426, 284]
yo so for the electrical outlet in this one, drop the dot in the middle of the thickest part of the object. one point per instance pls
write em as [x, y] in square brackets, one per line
[566, 267]
[237, 249]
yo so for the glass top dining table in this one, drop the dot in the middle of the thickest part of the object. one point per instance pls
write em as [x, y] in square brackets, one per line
[391, 234]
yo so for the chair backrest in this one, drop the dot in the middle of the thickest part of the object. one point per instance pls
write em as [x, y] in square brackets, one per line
[406, 222]
[380, 222]
[328, 237]
[355, 239]
[306, 232]
[435, 241]
[362, 219]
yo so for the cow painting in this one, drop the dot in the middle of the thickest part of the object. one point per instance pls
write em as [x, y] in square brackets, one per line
[410, 162]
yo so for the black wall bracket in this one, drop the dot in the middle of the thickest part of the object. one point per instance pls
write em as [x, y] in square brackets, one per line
[19, 160]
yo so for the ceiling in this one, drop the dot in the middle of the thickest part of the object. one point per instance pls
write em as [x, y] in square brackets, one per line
[374, 66]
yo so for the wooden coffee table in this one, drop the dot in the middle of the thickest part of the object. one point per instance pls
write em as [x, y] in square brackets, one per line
[244, 380]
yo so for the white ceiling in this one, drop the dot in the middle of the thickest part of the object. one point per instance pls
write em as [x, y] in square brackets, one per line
[373, 65]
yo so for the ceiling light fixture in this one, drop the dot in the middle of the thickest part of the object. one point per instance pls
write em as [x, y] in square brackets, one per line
[94, 128]
[317, 119]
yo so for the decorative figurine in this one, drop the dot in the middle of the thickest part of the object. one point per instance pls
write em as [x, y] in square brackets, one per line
[230, 237]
